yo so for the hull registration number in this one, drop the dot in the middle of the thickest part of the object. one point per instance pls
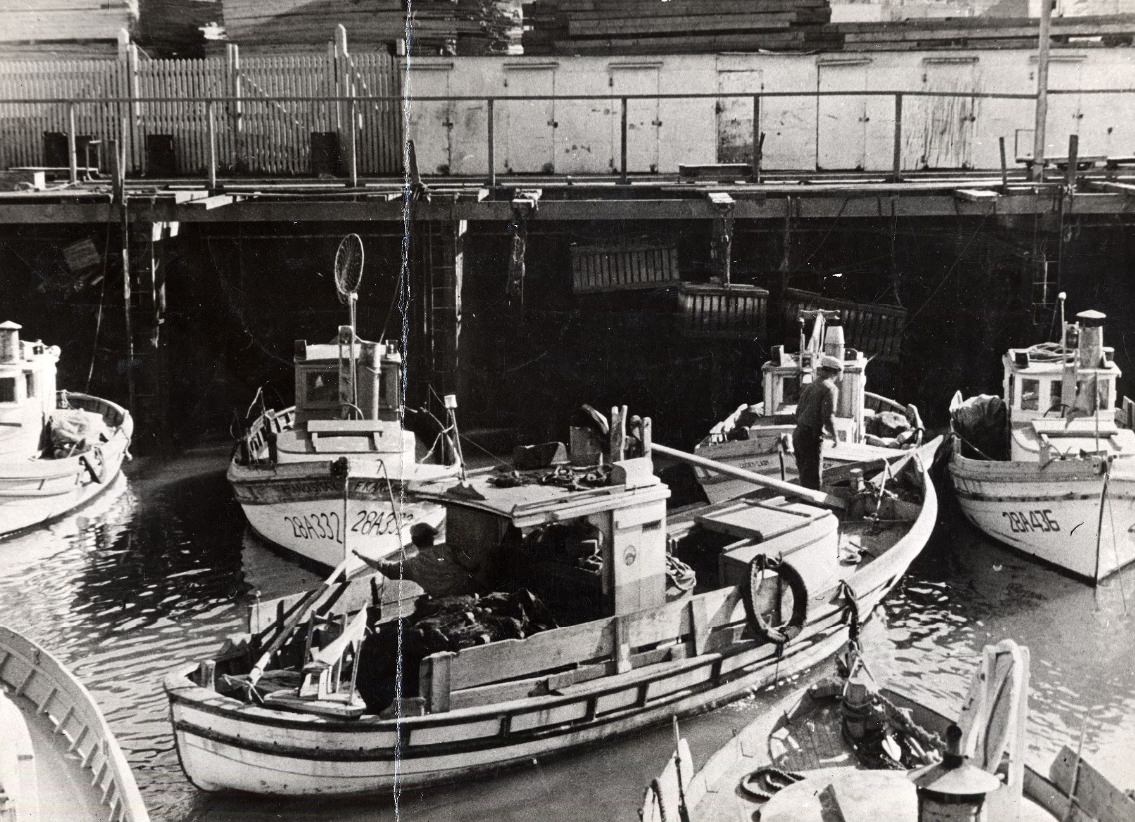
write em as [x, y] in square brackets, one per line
[1027, 522]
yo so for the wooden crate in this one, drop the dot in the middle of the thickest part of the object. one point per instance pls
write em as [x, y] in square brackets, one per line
[723, 311]
[876, 330]
[596, 269]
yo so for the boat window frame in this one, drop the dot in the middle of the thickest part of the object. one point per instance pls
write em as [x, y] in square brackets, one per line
[31, 385]
[319, 371]
[1055, 395]
[1036, 392]
[15, 391]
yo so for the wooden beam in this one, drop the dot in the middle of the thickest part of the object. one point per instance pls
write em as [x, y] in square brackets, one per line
[976, 195]
[209, 203]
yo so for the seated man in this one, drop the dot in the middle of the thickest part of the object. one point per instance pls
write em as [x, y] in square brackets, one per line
[441, 570]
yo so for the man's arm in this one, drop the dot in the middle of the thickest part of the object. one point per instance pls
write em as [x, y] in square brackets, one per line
[828, 408]
[385, 567]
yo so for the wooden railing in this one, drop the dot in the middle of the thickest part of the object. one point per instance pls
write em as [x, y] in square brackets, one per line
[30, 673]
[263, 115]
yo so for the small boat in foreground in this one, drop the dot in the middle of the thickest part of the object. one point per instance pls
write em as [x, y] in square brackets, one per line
[58, 759]
[1047, 468]
[846, 749]
[595, 613]
[58, 449]
[328, 475]
[758, 437]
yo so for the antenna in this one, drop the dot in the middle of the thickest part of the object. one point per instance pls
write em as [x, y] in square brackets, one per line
[348, 278]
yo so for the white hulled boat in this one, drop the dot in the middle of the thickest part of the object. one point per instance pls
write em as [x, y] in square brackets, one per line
[759, 437]
[59, 758]
[851, 749]
[1047, 469]
[58, 449]
[328, 475]
[605, 616]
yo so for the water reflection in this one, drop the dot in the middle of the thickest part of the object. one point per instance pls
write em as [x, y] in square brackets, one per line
[158, 570]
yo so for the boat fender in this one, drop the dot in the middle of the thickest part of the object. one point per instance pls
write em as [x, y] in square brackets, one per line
[779, 634]
[95, 464]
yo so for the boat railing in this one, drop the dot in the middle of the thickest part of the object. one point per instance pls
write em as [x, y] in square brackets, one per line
[271, 422]
[30, 673]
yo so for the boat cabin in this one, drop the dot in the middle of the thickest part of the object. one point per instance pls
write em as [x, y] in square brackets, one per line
[786, 374]
[27, 392]
[1061, 397]
[348, 400]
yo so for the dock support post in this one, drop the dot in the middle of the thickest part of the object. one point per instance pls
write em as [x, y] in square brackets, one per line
[492, 142]
[1073, 161]
[623, 145]
[439, 250]
[236, 107]
[896, 165]
[1004, 166]
[1036, 171]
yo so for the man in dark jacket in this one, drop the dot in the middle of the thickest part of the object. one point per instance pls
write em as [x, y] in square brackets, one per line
[815, 415]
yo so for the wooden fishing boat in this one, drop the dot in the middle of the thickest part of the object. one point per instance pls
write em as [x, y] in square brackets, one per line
[59, 758]
[328, 475]
[1046, 469]
[838, 750]
[656, 615]
[58, 449]
[759, 437]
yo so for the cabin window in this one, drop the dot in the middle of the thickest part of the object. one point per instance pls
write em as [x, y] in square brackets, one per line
[1055, 395]
[1105, 394]
[1030, 395]
[322, 386]
[29, 380]
[7, 389]
[791, 390]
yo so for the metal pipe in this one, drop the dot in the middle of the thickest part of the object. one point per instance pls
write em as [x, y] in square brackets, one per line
[623, 145]
[492, 142]
[72, 151]
[896, 169]
[786, 488]
[756, 138]
[212, 147]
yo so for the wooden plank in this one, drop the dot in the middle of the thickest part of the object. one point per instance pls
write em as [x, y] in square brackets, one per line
[976, 195]
[1094, 793]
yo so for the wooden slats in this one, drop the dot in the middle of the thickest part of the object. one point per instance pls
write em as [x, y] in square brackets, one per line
[723, 311]
[877, 330]
[277, 126]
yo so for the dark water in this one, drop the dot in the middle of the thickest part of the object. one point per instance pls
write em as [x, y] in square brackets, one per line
[159, 570]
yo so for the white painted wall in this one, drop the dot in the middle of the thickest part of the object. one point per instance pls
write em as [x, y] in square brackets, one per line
[805, 133]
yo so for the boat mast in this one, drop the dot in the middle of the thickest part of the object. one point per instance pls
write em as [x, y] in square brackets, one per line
[1036, 173]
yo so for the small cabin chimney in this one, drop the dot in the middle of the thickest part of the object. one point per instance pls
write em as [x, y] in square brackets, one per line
[833, 338]
[953, 790]
[1091, 339]
[10, 342]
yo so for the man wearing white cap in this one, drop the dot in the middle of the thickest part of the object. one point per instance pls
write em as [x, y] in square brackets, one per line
[815, 414]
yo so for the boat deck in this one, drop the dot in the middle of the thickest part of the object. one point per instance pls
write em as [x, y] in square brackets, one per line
[803, 736]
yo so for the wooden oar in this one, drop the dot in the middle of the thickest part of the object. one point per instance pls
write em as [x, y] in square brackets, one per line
[310, 600]
[786, 488]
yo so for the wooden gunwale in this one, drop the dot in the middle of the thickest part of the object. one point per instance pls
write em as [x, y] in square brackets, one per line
[56, 694]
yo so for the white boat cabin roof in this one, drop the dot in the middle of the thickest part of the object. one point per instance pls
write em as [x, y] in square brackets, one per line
[532, 502]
